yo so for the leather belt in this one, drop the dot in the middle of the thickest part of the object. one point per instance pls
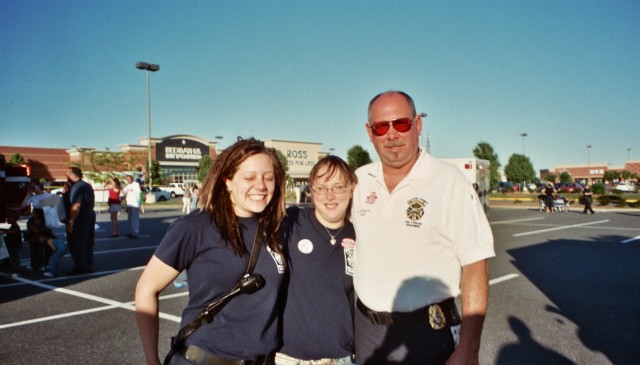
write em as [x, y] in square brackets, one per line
[438, 315]
[199, 356]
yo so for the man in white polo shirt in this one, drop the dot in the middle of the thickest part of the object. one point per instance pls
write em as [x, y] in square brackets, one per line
[423, 239]
[132, 197]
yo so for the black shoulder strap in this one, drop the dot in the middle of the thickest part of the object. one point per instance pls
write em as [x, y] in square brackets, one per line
[255, 252]
[206, 316]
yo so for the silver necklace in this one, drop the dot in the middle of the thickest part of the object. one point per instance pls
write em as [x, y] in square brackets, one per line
[333, 237]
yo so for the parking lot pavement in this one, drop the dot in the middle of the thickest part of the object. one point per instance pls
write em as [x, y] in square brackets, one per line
[564, 290]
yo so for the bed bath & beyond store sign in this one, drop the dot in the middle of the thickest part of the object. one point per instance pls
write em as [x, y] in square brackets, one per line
[181, 150]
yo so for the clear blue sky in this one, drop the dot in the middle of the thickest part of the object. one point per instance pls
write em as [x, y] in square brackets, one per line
[565, 72]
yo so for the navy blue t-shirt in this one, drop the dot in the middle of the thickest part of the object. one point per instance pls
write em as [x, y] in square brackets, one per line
[318, 314]
[248, 325]
[82, 192]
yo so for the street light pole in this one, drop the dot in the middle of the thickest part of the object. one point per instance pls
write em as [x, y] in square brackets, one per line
[148, 67]
[523, 135]
[427, 142]
[588, 165]
[628, 154]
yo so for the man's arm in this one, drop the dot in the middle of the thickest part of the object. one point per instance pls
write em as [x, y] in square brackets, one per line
[475, 298]
[73, 214]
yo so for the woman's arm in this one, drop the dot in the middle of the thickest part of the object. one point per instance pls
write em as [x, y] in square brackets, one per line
[155, 277]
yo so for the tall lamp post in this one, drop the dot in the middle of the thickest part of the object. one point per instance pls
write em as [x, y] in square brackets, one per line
[148, 67]
[523, 135]
[427, 142]
[628, 154]
[588, 164]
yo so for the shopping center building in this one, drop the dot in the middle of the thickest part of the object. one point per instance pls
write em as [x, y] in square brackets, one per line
[177, 156]
[590, 174]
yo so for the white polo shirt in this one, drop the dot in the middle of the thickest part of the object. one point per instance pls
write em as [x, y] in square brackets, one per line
[413, 242]
[132, 194]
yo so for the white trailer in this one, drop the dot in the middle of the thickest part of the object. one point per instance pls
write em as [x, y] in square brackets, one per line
[478, 173]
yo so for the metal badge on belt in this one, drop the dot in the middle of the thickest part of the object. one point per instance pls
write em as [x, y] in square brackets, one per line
[436, 317]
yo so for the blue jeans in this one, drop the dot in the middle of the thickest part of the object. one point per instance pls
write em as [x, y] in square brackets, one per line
[61, 249]
[133, 217]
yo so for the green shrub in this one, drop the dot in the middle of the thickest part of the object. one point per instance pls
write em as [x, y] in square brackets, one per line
[622, 202]
[614, 198]
[598, 188]
[604, 199]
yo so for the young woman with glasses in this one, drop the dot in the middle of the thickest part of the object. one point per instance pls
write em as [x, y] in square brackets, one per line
[318, 314]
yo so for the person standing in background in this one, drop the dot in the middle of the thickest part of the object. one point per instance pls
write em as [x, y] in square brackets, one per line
[13, 241]
[549, 197]
[194, 197]
[115, 204]
[132, 197]
[35, 196]
[81, 222]
[587, 195]
[186, 199]
[35, 225]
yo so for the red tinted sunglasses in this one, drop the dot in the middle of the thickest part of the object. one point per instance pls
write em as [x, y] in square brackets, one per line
[401, 125]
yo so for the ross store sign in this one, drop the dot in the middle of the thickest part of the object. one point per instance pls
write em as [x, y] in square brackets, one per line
[181, 150]
[299, 158]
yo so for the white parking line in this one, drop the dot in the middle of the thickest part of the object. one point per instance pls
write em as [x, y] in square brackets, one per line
[631, 239]
[502, 278]
[560, 228]
[111, 304]
[517, 220]
[27, 261]
[102, 252]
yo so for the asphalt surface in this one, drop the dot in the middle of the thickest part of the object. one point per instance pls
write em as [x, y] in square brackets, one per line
[564, 290]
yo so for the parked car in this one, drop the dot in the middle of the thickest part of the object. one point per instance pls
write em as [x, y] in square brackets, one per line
[624, 187]
[569, 188]
[505, 187]
[540, 187]
[175, 189]
[161, 195]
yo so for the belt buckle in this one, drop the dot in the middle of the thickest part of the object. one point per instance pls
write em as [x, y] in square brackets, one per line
[437, 320]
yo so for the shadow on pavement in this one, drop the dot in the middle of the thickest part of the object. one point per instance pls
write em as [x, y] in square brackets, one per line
[595, 284]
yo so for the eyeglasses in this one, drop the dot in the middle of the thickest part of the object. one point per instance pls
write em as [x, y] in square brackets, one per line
[401, 125]
[336, 189]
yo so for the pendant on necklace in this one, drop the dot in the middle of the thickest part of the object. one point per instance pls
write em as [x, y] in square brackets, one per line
[333, 238]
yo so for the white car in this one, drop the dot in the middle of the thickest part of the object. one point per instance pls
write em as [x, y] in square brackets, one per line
[627, 188]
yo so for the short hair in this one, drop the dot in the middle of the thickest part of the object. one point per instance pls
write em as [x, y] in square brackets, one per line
[76, 171]
[333, 164]
[402, 93]
[216, 200]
